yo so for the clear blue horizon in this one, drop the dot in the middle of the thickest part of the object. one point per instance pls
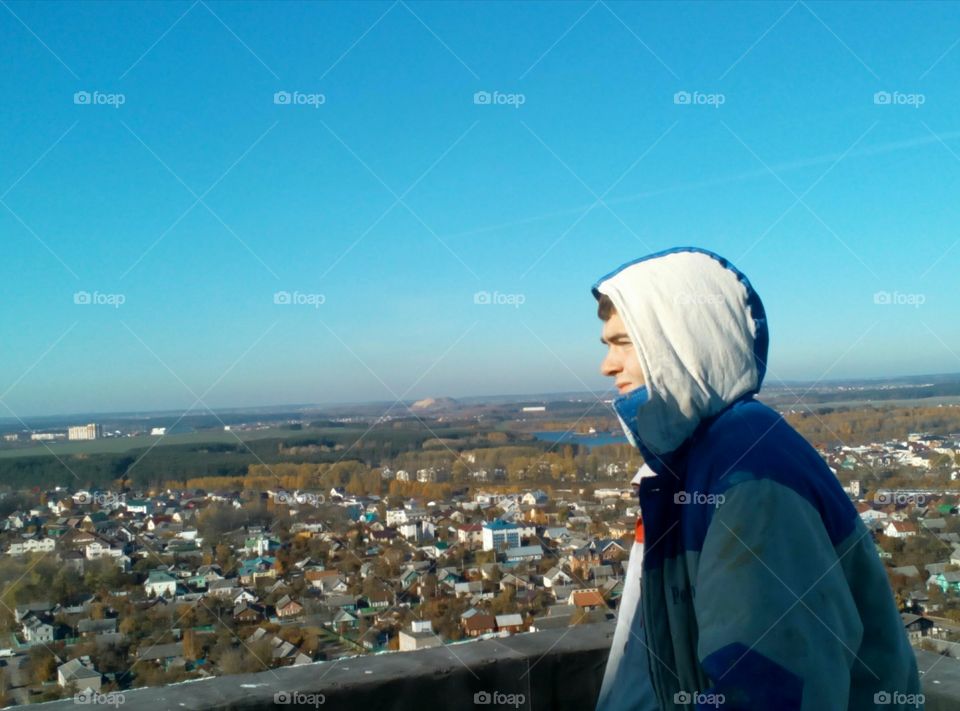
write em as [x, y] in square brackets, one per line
[305, 202]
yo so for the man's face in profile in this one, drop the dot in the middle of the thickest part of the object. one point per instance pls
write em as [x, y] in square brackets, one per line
[621, 362]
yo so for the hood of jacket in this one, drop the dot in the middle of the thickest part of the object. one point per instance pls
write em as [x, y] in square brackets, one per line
[700, 333]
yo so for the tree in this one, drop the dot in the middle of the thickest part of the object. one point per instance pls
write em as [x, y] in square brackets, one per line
[504, 602]
[42, 665]
[244, 658]
[192, 650]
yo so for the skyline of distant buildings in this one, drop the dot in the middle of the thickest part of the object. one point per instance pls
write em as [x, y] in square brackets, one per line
[85, 432]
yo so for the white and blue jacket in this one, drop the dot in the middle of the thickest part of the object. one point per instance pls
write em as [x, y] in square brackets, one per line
[761, 586]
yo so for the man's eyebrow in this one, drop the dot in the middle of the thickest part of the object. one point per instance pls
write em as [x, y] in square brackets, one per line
[614, 337]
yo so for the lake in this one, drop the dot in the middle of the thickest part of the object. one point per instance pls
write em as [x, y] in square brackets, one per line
[595, 440]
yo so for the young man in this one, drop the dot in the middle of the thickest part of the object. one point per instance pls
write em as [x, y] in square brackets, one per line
[761, 586]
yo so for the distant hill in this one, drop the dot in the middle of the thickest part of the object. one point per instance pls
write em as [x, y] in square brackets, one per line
[432, 404]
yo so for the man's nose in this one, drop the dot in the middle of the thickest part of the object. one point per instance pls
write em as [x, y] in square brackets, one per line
[609, 366]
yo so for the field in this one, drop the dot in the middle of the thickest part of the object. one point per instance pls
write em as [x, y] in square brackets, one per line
[119, 445]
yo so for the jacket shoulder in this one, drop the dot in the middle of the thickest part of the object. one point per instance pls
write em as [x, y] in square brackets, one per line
[750, 441]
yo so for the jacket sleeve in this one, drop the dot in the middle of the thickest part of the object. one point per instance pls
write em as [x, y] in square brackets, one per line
[778, 625]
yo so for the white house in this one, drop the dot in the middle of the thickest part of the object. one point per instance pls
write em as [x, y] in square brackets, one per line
[418, 530]
[36, 630]
[532, 498]
[244, 596]
[80, 673]
[395, 517]
[470, 533]
[420, 636]
[100, 549]
[556, 576]
[32, 545]
[900, 529]
[872, 516]
[160, 583]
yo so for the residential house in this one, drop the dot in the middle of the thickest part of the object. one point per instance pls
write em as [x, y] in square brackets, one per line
[38, 608]
[420, 636]
[288, 608]
[511, 623]
[556, 576]
[949, 582]
[344, 620]
[916, 626]
[470, 534]
[587, 599]
[37, 630]
[80, 673]
[534, 498]
[160, 583]
[165, 655]
[254, 569]
[249, 613]
[478, 624]
[31, 545]
[95, 628]
[900, 529]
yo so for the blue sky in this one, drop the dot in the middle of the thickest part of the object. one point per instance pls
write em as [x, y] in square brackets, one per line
[382, 189]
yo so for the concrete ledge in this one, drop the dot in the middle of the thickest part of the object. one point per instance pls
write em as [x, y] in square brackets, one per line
[940, 677]
[555, 669]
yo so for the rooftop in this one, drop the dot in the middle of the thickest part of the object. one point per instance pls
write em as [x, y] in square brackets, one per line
[554, 669]
[499, 525]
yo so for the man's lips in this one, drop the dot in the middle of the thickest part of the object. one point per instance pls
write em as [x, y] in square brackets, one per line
[624, 387]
